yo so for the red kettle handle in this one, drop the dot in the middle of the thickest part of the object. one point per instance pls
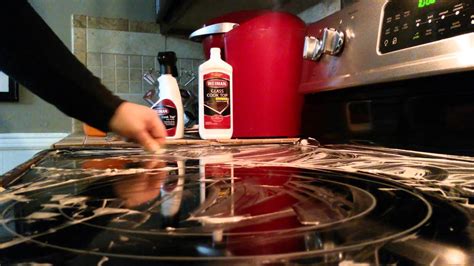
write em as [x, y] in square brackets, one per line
[217, 28]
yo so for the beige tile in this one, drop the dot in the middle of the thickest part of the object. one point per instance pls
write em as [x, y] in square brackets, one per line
[148, 62]
[122, 74]
[108, 73]
[79, 21]
[136, 87]
[93, 59]
[136, 74]
[108, 60]
[185, 48]
[123, 87]
[185, 65]
[95, 70]
[135, 61]
[77, 126]
[107, 23]
[80, 39]
[121, 60]
[110, 84]
[141, 26]
[196, 64]
[121, 42]
[81, 55]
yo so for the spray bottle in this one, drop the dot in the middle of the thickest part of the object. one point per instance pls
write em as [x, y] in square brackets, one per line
[169, 107]
[215, 98]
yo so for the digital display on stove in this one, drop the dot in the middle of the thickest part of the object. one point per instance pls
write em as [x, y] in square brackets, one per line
[409, 23]
[424, 3]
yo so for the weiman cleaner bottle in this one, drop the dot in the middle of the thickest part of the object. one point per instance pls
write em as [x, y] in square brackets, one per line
[215, 98]
[169, 107]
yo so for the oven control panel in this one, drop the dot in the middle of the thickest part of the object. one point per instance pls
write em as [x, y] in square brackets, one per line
[408, 23]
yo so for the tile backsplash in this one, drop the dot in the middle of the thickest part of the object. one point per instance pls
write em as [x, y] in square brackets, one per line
[123, 73]
[121, 51]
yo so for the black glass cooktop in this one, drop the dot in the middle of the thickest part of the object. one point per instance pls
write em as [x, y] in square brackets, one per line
[276, 203]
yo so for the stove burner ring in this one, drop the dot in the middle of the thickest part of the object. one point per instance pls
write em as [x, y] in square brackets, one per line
[369, 221]
[308, 219]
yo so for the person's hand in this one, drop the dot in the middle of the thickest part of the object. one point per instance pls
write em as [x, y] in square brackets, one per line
[140, 124]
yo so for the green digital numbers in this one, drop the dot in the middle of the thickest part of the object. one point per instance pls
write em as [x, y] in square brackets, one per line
[424, 3]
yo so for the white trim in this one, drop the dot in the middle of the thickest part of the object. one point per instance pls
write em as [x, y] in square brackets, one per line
[29, 141]
[4, 84]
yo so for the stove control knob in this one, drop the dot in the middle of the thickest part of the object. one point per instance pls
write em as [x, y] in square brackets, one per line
[312, 48]
[332, 42]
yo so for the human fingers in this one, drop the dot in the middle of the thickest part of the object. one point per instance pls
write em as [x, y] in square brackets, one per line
[140, 124]
[157, 129]
[147, 141]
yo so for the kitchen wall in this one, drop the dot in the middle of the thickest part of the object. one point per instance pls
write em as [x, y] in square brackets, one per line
[33, 115]
[120, 51]
[120, 40]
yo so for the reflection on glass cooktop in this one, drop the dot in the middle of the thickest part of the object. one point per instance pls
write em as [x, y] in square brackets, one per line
[273, 203]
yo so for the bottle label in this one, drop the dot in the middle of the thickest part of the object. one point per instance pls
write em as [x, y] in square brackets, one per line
[166, 110]
[217, 102]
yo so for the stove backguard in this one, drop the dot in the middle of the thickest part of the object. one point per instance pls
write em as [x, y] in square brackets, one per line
[375, 41]
[403, 78]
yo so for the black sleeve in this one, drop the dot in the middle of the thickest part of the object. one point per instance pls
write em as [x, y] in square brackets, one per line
[32, 54]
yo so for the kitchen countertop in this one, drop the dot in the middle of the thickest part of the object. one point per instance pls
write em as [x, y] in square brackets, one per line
[81, 140]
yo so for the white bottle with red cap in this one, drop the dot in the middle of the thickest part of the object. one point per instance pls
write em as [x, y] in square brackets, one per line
[215, 98]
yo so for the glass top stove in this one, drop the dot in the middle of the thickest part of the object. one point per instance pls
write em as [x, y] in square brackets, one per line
[297, 203]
